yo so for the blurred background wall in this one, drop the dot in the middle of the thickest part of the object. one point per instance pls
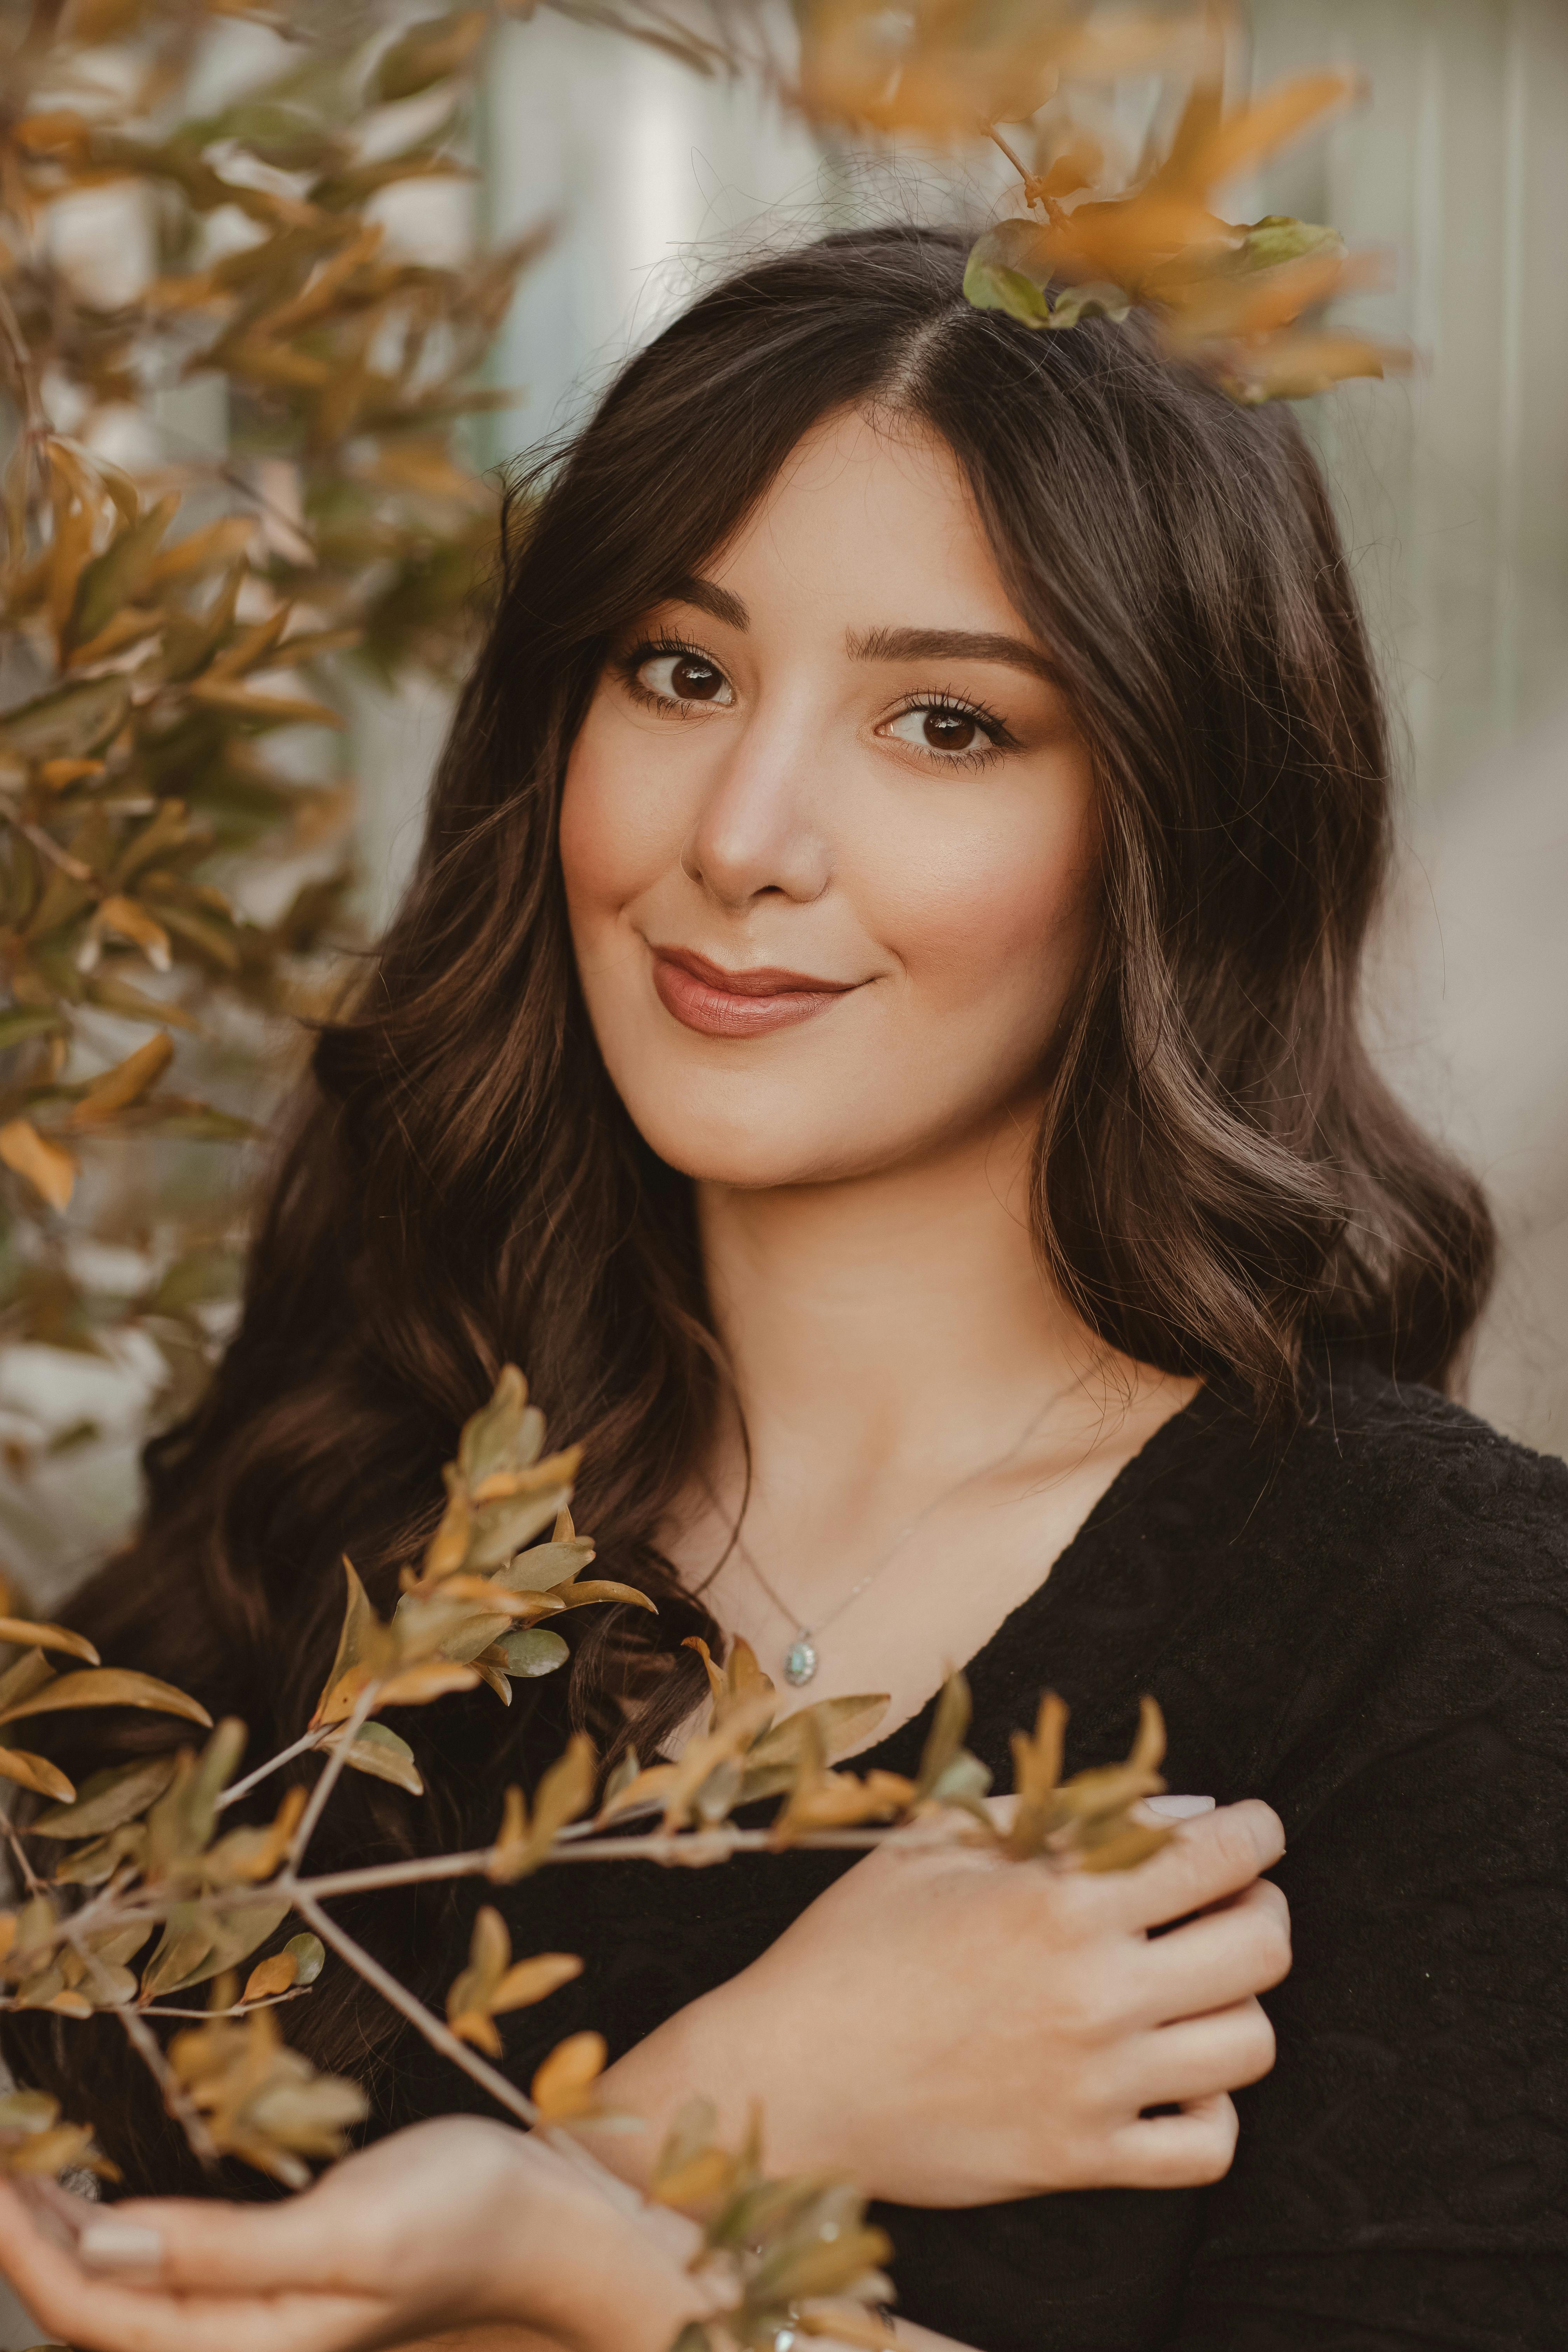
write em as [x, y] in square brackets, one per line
[1453, 484]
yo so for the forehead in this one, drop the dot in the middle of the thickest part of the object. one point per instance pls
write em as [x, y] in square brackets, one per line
[868, 525]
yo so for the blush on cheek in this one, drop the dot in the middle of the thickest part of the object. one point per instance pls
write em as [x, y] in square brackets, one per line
[973, 927]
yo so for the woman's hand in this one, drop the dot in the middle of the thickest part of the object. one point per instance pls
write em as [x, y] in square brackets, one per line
[452, 2224]
[948, 2029]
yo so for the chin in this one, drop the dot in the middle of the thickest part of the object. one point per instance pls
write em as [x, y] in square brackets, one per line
[752, 1149]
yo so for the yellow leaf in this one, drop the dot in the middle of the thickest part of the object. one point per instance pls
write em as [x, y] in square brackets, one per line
[528, 1981]
[1244, 138]
[28, 1636]
[56, 774]
[363, 1642]
[204, 550]
[116, 1090]
[127, 921]
[717, 1686]
[269, 1978]
[282, 709]
[564, 2086]
[108, 1686]
[49, 1170]
[703, 2179]
[1295, 367]
[417, 1685]
[36, 1772]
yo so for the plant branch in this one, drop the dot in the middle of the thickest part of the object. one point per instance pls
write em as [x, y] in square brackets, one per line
[337, 1757]
[237, 1789]
[145, 2042]
[407, 2004]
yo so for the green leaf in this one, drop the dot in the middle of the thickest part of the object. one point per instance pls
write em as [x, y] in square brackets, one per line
[501, 1528]
[533, 1649]
[68, 723]
[201, 1941]
[990, 286]
[430, 52]
[109, 1798]
[1277, 237]
[545, 1566]
[505, 1434]
[26, 1021]
[308, 1955]
[1009, 269]
[113, 578]
[384, 1757]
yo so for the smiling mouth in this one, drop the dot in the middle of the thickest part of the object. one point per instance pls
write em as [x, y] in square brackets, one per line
[704, 996]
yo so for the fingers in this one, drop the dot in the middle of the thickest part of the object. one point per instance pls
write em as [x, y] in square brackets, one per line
[102, 2315]
[1203, 2056]
[1219, 1958]
[1187, 2151]
[1210, 1857]
[201, 2246]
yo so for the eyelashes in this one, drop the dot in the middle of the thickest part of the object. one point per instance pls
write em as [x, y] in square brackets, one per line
[944, 704]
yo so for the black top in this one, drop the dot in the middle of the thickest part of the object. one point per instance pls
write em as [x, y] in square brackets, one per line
[1364, 1624]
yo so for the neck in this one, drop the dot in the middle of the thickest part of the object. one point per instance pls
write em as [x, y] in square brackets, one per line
[888, 1331]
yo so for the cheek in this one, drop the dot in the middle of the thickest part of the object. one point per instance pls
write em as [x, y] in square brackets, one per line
[1004, 911]
[614, 837]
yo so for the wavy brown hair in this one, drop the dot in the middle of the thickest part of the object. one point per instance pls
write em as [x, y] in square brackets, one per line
[1222, 1183]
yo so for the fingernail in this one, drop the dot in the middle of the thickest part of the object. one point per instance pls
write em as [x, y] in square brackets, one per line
[1178, 1809]
[111, 2245]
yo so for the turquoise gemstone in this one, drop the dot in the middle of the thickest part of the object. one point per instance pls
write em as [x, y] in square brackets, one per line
[800, 1661]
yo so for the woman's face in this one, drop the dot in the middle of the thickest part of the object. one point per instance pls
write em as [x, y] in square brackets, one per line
[827, 836]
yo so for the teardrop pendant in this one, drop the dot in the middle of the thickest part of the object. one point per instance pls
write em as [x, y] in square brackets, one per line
[800, 1661]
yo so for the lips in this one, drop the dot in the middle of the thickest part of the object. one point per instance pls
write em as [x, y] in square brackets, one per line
[717, 1003]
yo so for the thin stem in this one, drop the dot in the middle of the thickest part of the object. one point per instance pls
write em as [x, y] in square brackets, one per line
[41, 841]
[1017, 161]
[239, 2008]
[439, 2035]
[27, 375]
[337, 1757]
[32, 1883]
[145, 2042]
[307, 1740]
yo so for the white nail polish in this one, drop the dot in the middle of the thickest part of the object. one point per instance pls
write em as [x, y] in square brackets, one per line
[111, 2245]
[1178, 1809]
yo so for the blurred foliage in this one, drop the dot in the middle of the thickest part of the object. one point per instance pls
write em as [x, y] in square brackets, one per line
[178, 629]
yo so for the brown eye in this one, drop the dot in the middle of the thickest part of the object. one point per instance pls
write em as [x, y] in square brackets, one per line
[948, 731]
[678, 678]
[694, 680]
[945, 728]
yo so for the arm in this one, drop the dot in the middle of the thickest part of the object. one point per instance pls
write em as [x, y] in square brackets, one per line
[1071, 2020]
[455, 2236]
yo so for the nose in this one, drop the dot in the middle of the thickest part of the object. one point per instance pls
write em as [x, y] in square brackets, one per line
[756, 831]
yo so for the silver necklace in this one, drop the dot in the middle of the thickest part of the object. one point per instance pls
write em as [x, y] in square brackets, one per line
[803, 1657]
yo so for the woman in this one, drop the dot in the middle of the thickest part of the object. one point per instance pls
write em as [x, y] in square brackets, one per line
[874, 1030]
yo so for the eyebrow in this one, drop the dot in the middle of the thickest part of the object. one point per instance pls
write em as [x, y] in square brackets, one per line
[885, 645]
[951, 644]
[717, 603]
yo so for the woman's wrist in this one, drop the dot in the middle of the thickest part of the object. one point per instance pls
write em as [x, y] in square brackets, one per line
[729, 2048]
[584, 2271]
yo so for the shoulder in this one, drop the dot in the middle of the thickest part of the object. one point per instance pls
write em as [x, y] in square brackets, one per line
[1396, 1473]
[1405, 1568]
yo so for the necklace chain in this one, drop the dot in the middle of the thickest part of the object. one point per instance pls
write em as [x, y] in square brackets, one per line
[802, 1658]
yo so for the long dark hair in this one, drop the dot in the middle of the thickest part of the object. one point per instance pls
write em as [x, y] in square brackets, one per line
[1221, 1180]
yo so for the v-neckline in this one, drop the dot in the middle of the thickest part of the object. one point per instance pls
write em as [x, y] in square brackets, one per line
[907, 1738]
